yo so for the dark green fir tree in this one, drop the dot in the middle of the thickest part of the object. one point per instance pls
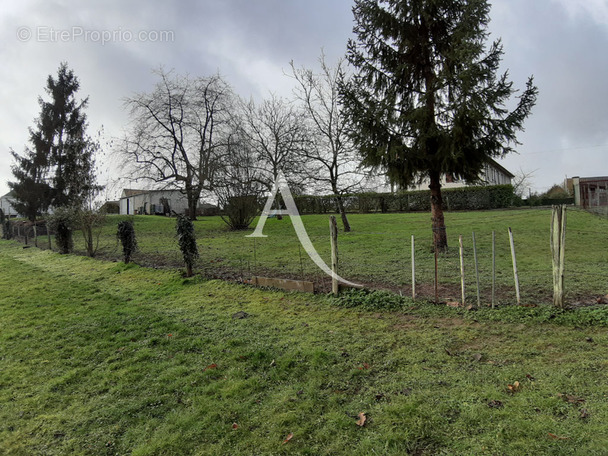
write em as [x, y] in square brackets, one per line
[59, 168]
[427, 98]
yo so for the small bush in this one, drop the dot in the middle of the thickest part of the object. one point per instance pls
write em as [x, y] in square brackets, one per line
[63, 222]
[126, 236]
[239, 211]
[186, 238]
[91, 224]
[7, 229]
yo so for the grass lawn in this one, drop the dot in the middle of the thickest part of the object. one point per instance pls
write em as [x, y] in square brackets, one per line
[102, 358]
[378, 252]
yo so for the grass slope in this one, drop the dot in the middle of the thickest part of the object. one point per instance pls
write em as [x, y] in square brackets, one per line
[101, 358]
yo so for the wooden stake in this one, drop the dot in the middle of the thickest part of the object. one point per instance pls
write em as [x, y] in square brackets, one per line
[48, 235]
[476, 269]
[255, 259]
[462, 270]
[558, 243]
[515, 275]
[436, 278]
[333, 231]
[493, 268]
[413, 268]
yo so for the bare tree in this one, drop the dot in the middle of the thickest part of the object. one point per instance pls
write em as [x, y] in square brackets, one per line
[177, 136]
[522, 182]
[332, 155]
[241, 186]
[275, 132]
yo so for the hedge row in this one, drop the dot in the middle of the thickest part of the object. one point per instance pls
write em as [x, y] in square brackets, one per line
[454, 199]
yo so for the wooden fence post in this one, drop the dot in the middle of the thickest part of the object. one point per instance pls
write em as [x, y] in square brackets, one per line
[413, 268]
[558, 243]
[462, 270]
[493, 268]
[476, 269]
[333, 231]
[515, 274]
[436, 278]
[48, 234]
[35, 235]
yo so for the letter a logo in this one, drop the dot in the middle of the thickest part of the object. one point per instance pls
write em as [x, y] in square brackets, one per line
[281, 186]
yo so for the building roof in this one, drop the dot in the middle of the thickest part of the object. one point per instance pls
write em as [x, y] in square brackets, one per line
[593, 179]
[127, 192]
[501, 168]
[8, 195]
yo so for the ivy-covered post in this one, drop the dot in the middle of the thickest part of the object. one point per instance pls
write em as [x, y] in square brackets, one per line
[186, 238]
[126, 235]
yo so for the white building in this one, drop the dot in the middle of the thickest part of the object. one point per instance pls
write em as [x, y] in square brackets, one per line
[6, 204]
[492, 174]
[134, 202]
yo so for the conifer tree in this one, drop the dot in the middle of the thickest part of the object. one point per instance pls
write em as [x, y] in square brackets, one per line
[59, 169]
[427, 98]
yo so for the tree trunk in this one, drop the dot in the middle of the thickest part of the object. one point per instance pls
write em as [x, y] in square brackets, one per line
[342, 211]
[440, 239]
[193, 197]
[89, 241]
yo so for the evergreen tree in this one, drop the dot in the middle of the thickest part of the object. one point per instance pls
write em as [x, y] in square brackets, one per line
[32, 194]
[427, 99]
[59, 169]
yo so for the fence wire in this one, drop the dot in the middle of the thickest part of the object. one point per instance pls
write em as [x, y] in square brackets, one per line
[383, 259]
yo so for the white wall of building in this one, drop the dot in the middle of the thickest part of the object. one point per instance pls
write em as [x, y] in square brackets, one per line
[144, 202]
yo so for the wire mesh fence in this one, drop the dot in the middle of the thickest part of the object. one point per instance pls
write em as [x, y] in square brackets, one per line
[381, 258]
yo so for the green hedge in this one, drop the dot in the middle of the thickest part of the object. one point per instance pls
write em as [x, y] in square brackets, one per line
[454, 199]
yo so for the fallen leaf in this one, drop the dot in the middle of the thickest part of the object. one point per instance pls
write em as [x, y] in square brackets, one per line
[557, 437]
[453, 304]
[362, 419]
[495, 404]
[365, 366]
[273, 363]
[589, 339]
[584, 414]
[288, 438]
[211, 366]
[235, 426]
[529, 377]
[571, 399]
[477, 357]
[514, 388]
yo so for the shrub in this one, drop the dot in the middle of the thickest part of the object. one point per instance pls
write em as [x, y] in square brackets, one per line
[239, 211]
[63, 222]
[186, 238]
[465, 198]
[91, 224]
[126, 236]
[7, 229]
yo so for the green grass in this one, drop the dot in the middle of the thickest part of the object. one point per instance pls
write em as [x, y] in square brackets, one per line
[102, 358]
[377, 252]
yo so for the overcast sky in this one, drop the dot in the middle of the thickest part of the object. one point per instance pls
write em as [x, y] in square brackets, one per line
[113, 46]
